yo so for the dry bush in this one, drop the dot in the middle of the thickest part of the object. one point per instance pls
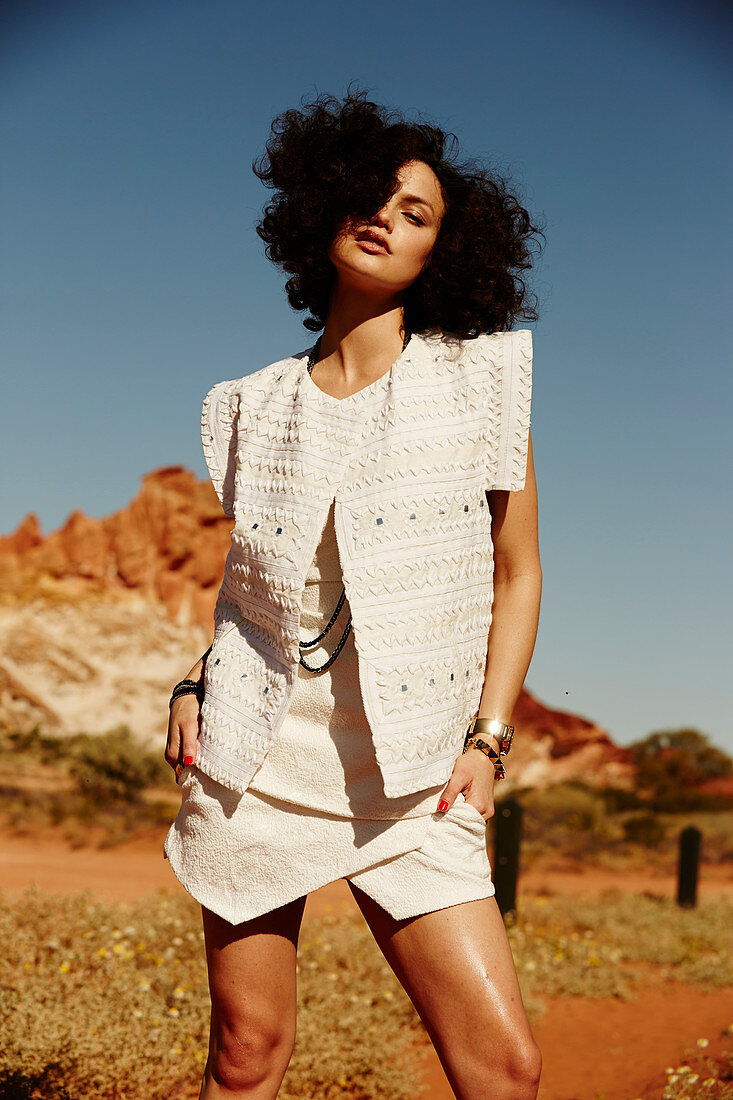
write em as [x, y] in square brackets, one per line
[100, 1001]
[81, 781]
[107, 790]
[571, 822]
[588, 945]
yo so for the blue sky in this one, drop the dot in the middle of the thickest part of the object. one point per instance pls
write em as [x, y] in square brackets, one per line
[133, 280]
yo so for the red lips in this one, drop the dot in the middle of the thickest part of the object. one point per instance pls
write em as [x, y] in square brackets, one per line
[371, 235]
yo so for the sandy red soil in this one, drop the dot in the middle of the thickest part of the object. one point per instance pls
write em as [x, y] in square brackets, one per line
[616, 1050]
[132, 870]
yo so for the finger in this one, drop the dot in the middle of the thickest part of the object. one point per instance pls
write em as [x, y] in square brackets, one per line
[448, 797]
[173, 744]
[189, 727]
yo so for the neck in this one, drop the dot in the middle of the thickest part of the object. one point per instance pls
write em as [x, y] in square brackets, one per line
[361, 336]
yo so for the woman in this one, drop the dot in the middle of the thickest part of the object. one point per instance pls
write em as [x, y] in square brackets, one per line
[314, 739]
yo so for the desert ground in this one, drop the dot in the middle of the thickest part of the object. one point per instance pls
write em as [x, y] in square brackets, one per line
[593, 1049]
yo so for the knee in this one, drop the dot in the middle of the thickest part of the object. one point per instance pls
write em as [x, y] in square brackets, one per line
[523, 1067]
[250, 1054]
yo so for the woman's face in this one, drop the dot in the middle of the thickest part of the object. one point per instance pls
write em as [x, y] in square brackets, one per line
[407, 225]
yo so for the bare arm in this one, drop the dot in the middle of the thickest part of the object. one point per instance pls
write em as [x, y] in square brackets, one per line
[517, 595]
[198, 669]
[515, 619]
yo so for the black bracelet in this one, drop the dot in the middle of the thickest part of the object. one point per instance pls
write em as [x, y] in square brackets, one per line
[184, 691]
[187, 687]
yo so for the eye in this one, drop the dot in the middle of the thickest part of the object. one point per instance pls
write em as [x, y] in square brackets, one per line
[415, 218]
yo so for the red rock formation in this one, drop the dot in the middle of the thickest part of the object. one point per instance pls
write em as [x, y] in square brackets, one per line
[169, 543]
[569, 732]
[26, 536]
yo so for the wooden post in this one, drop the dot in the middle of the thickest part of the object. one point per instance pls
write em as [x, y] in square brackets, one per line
[688, 865]
[507, 832]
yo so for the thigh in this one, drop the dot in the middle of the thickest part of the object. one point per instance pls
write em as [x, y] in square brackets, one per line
[252, 969]
[456, 965]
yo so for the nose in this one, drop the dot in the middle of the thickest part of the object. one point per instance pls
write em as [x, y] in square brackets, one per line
[383, 218]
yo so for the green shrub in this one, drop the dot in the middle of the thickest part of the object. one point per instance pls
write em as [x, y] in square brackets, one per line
[82, 779]
[112, 767]
[645, 829]
[41, 747]
[618, 799]
[672, 764]
[568, 807]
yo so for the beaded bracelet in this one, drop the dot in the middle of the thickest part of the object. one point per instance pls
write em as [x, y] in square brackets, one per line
[187, 687]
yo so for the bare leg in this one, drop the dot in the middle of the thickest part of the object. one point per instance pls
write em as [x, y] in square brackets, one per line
[456, 966]
[252, 981]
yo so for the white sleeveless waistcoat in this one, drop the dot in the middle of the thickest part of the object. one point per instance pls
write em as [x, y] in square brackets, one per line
[409, 475]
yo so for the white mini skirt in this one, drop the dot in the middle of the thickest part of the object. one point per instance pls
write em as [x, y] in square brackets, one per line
[244, 855]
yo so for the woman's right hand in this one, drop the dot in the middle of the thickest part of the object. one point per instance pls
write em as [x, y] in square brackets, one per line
[183, 731]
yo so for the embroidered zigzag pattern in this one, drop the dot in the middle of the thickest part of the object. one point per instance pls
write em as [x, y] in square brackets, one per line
[455, 413]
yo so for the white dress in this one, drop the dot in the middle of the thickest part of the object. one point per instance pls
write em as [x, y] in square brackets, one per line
[316, 809]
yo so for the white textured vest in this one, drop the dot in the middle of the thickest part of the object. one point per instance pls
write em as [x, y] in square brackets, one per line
[408, 461]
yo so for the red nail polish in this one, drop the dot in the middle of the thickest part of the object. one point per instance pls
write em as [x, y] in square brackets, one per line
[442, 806]
[188, 760]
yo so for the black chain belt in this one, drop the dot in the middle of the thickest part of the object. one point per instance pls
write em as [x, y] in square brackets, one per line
[315, 641]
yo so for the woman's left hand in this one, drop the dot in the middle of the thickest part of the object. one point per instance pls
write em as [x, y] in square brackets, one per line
[473, 774]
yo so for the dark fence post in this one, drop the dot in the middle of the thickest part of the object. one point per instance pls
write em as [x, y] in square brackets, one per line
[688, 865]
[507, 833]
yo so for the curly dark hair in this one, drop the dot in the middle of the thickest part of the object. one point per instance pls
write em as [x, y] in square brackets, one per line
[337, 162]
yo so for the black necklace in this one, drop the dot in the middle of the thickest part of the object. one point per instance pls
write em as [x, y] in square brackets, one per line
[312, 359]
